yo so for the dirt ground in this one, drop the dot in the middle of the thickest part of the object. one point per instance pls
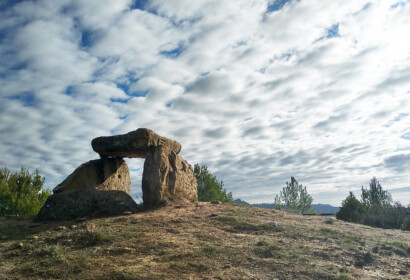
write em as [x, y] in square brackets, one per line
[202, 241]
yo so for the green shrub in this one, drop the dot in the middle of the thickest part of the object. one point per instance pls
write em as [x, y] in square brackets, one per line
[21, 193]
[375, 209]
[209, 188]
[352, 210]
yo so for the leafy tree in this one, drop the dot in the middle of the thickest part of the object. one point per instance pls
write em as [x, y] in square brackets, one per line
[21, 193]
[375, 197]
[375, 209]
[209, 188]
[352, 210]
[293, 197]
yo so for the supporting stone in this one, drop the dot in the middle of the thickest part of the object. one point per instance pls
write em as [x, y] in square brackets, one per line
[134, 144]
[86, 203]
[100, 174]
[167, 178]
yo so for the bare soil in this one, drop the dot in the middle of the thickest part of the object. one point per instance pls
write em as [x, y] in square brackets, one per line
[202, 241]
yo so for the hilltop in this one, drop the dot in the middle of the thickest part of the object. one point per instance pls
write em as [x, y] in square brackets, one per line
[202, 241]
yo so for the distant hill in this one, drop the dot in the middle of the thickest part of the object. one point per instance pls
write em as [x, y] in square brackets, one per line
[320, 208]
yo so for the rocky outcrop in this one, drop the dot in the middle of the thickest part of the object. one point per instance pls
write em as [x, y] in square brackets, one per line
[88, 203]
[102, 187]
[134, 144]
[101, 174]
[167, 178]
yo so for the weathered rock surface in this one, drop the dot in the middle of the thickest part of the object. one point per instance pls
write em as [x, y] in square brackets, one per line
[100, 174]
[86, 203]
[167, 177]
[134, 144]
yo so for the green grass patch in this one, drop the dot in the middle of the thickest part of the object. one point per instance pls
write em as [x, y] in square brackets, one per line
[55, 261]
[345, 238]
[265, 249]
[388, 248]
[239, 225]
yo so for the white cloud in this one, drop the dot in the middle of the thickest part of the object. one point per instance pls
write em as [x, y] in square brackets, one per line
[257, 96]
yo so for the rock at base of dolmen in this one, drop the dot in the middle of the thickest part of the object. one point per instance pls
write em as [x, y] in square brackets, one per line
[101, 174]
[167, 178]
[86, 203]
[134, 144]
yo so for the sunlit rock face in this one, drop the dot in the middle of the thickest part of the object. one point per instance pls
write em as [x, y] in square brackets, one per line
[167, 178]
[100, 174]
[134, 144]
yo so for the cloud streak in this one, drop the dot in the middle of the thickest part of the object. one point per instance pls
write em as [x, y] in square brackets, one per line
[257, 90]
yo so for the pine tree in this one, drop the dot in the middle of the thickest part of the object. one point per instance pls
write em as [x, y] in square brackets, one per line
[294, 197]
[21, 193]
[209, 188]
[375, 198]
[352, 210]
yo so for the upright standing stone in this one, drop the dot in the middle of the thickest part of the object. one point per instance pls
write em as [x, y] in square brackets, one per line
[167, 177]
[134, 144]
[101, 174]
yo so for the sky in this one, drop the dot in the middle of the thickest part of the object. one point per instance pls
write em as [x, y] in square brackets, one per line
[257, 90]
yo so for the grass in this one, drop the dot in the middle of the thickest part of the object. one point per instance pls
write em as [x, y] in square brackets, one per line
[344, 238]
[266, 250]
[240, 225]
[388, 248]
[203, 242]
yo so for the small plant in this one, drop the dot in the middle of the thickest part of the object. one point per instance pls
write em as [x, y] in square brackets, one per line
[92, 238]
[330, 221]
[266, 250]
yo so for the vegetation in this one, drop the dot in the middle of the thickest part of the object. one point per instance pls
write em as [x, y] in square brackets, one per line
[201, 241]
[294, 197]
[352, 210]
[375, 198]
[209, 188]
[21, 193]
[375, 209]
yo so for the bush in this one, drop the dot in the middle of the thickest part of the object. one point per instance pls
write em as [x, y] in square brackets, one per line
[375, 209]
[294, 197]
[21, 193]
[209, 188]
[352, 210]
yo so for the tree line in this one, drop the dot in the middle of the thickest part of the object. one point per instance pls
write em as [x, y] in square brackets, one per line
[376, 208]
[22, 193]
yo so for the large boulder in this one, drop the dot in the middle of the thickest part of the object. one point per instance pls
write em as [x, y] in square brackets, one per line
[167, 178]
[100, 174]
[86, 203]
[134, 144]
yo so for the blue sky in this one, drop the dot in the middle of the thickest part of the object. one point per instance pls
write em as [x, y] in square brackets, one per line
[258, 91]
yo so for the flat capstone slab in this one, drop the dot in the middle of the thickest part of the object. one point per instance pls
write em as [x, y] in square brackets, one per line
[134, 144]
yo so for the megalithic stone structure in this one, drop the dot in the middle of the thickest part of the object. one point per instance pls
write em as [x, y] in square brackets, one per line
[167, 177]
[134, 144]
[101, 174]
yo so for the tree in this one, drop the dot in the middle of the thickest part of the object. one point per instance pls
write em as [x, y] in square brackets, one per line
[352, 210]
[375, 209]
[209, 188]
[294, 197]
[21, 193]
[375, 197]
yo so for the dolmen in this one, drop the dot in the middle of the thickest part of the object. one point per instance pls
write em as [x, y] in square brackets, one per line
[102, 187]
